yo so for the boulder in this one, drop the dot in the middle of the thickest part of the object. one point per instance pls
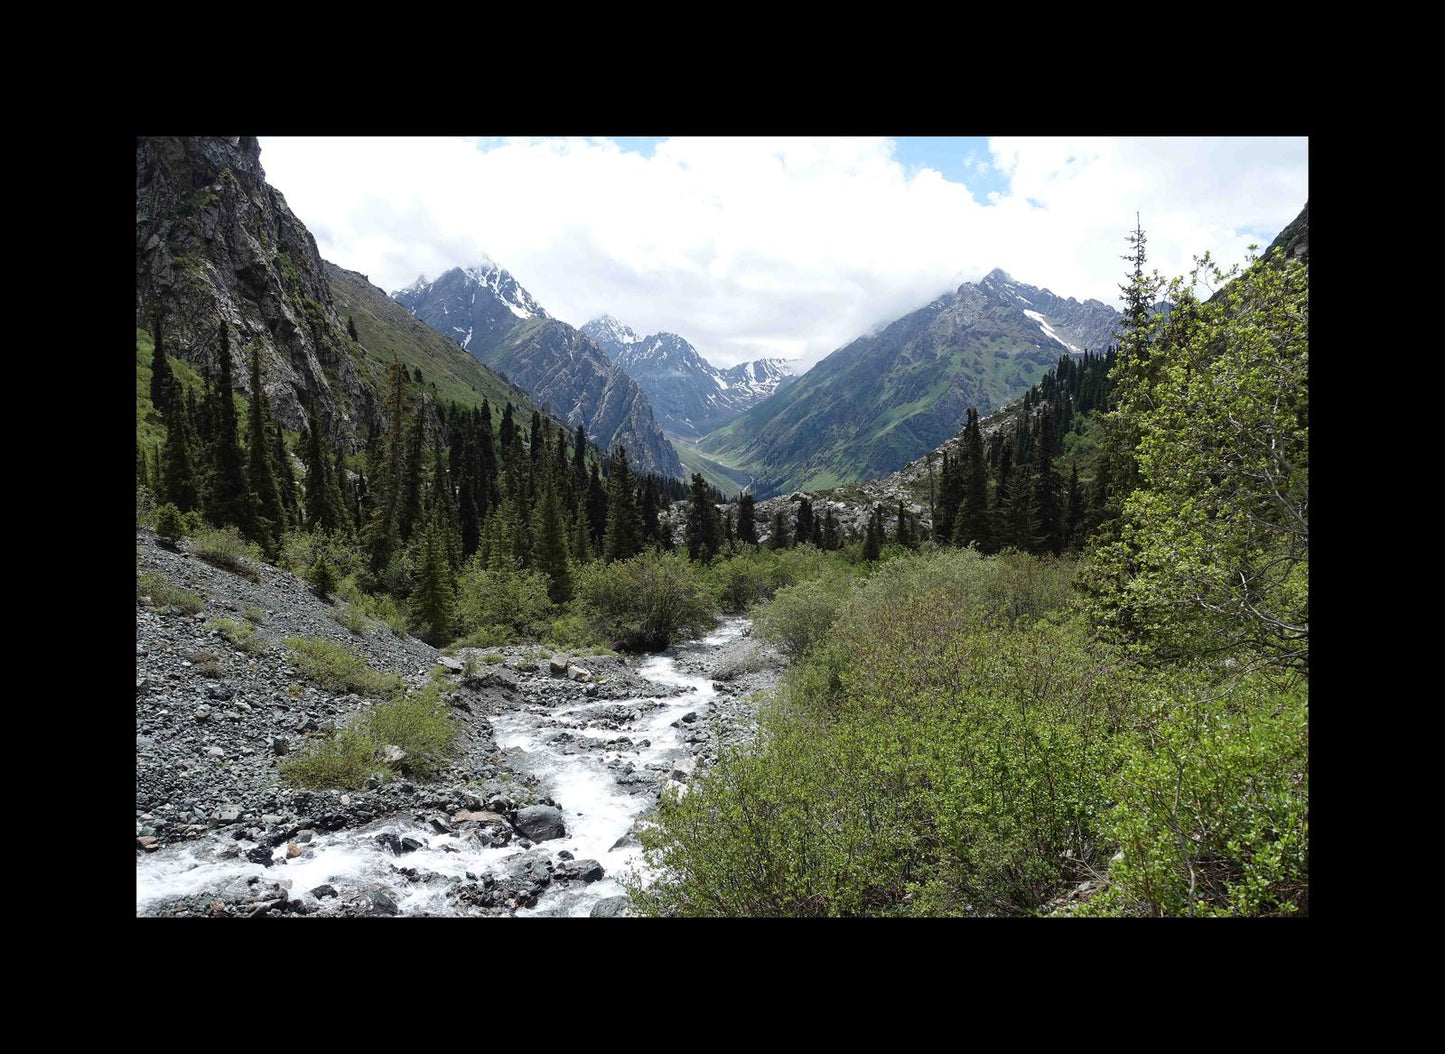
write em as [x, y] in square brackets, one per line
[557, 666]
[540, 823]
[609, 908]
[577, 673]
[581, 870]
[391, 754]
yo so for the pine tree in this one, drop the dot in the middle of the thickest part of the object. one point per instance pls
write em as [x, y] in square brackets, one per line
[702, 530]
[1076, 524]
[285, 475]
[778, 530]
[873, 537]
[549, 549]
[804, 524]
[747, 519]
[230, 496]
[163, 381]
[382, 536]
[973, 524]
[267, 512]
[433, 600]
[622, 538]
[903, 530]
[651, 529]
[832, 539]
[596, 508]
[581, 532]
[1047, 485]
[176, 482]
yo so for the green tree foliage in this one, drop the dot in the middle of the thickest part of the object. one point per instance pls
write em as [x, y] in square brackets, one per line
[747, 519]
[169, 524]
[648, 602]
[433, 600]
[178, 484]
[1048, 504]
[778, 536]
[804, 522]
[322, 576]
[622, 539]
[549, 551]
[703, 529]
[267, 510]
[229, 494]
[351, 329]
[973, 522]
[1213, 547]
[163, 381]
[873, 537]
[501, 604]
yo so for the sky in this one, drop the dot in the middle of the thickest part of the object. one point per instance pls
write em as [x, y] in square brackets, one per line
[782, 247]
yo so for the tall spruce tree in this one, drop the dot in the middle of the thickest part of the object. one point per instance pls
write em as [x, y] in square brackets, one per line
[747, 518]
[549, 549]
[267, 511]
[163, 381]
[622, 538]
[230, 496]
[177, 481]
[433, 600]
[832, 537]
[973, 521]
[873, 536]
[285, 475]
[803, 532]
[702, 530]
[778, 535]
[1077, 520]
[903, 530]
[1047, 487]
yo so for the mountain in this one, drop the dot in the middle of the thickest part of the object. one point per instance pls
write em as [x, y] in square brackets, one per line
[215, 241]
[690, 395]
[488, 313]
[874, 405]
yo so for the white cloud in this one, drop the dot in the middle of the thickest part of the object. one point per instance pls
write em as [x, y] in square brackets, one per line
[789, 247]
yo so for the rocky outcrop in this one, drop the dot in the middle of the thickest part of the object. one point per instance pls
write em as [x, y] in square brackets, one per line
[216, 244]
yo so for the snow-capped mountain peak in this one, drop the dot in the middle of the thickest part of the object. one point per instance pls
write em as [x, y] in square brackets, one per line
[610, 335]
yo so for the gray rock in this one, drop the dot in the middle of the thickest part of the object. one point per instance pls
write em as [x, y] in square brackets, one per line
[577, 673]
[228, 813]
[557, 666]
[609, 908]
[378, 902]
[583, 870]
[540, 823]
[280, 745]
[391, 754]
[454, 665]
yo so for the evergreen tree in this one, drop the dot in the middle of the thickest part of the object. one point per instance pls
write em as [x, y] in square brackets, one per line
[509, 429]
[903, 531]
[651, 529]
[351, 329]
[267, 512]
[873, 537]
[622, 538]
[832, 538]
[549, 551]
[581, 532]
[1047, 487]
[778, 530]
[1075, 526]
[804, 528]
[950, 496]
[433, 600]
[596, 508]
[163, 381]
[702, 530]
[1019, 516]
[285, 475]
[747, 518]
[176, 482]
[974, 522]
[386, 486]
[229, 495]
[409, 505]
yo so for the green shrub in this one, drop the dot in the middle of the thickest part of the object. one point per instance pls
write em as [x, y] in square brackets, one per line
[159, 592]
[420, 724]
[516, 600]
[747, 659]
[349, 617]
[1213, 808]
[571, 633]
[240, 634]
[339, 669]
[647, 602]
[322, 576]
[485, 637]
[254, 614]
[911, 763]
[798, 617]
[493, 657]
[340, 761]
[169, 525]
[226, 549]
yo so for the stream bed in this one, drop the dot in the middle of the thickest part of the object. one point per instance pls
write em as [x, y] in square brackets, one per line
[598, 761]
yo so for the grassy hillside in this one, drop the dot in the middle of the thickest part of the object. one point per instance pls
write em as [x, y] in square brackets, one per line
[387, 328]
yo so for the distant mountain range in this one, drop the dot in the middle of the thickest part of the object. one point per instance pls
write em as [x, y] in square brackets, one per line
[874, 405]
[689, 395]
[486, 311]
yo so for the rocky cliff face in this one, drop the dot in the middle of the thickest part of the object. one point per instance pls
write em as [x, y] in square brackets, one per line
[216, 244]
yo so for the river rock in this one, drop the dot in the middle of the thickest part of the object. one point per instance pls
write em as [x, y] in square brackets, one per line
[453, 665]
[585, 870]
[683, 770]
[577, 673]
[324, 890]
[609, 908]
[540, 823]
[557, 666]
[391, 754]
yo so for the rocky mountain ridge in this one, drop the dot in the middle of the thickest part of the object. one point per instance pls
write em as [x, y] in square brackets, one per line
[690, 395]
[879, 402]
[488, 313]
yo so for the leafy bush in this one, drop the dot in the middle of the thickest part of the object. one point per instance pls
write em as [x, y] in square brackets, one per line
[254, 614]
[340, 761]
[516, 600]
[350, 618]
[420, 724]
[1213, 808]
[647, 602]
[159, 592]
[322, 576]
[571, 633]
[226, 549]
[169, 525]
[339, 669]
[755, 574]
[747, 659]
[240, 634]
[797, 617]
[918, 760]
